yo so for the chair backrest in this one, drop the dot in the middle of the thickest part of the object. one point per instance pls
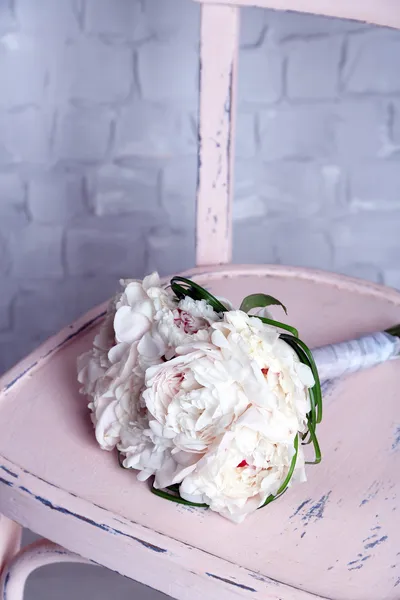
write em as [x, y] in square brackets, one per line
[218, 79]
[379, 12]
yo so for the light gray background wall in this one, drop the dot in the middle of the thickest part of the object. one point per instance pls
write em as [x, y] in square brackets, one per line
[98, 108]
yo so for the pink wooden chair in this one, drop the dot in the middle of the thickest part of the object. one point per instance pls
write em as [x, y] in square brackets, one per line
[335, 537]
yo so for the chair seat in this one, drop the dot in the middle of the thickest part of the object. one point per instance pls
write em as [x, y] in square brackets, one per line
[336, 536]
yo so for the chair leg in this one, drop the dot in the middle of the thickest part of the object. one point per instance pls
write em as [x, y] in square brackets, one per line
[34, 556]
[10, 540]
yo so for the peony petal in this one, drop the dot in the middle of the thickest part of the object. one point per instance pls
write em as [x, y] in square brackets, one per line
[156, 427]
[189, 491]
[219, 339]
[165, 476]
[107, 427]
[182, 472]
[130, 326]
[305, 374]
[116, 352]
[135, 293]
[151, 346]
[144, 475]
[189, 444]
[152, 280]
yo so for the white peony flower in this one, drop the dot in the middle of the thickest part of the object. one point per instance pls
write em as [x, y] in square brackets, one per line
[93, 364]
[188, 322]
[92, 369]
[193, 398]
[210, 401]
[135, 335]
[243, 469]
[280, 382]
[136, 310]
[149, 313]
[143, 450]
[115, 396]
[112, 373]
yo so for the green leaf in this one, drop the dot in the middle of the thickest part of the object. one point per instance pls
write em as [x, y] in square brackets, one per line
[259, 301]
[292, 330]
[120, 460]
[395, 330]
[317, 449]
[304, 437]
[306, 357]
[315, 415]
[176, 499]
[317, 385]
[270, 499]
[186, 287]
[174, 488]
[292, 467]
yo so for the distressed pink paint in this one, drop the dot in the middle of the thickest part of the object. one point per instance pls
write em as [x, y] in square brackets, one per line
[380, 12]
[34, 556]
[10, 537]
[334, 537]
[218, 69]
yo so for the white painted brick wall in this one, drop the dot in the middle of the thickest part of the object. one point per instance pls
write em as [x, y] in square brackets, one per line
[98, 110]
[83, 134]
[369, 67]
[25, 136]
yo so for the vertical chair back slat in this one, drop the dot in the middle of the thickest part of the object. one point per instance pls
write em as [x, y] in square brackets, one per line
[218, 70]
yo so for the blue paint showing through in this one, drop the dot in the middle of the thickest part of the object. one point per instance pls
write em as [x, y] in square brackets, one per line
[316, 511]
[52, 484]
[199, 141]
[359, 562]
[376, 542]
[7, 579]
[77, 332]
[302, 505]
[9, 483]
[396, 442]
[239, 585]
[102, 526]
[228, 110]
[8, 471]
[372, 492]
[18, 377]
[261, 578]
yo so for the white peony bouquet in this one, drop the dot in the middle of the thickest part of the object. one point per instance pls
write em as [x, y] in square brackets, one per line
[214, 404]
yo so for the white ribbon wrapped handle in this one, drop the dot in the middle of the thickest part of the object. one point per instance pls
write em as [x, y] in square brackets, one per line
[337, 360]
